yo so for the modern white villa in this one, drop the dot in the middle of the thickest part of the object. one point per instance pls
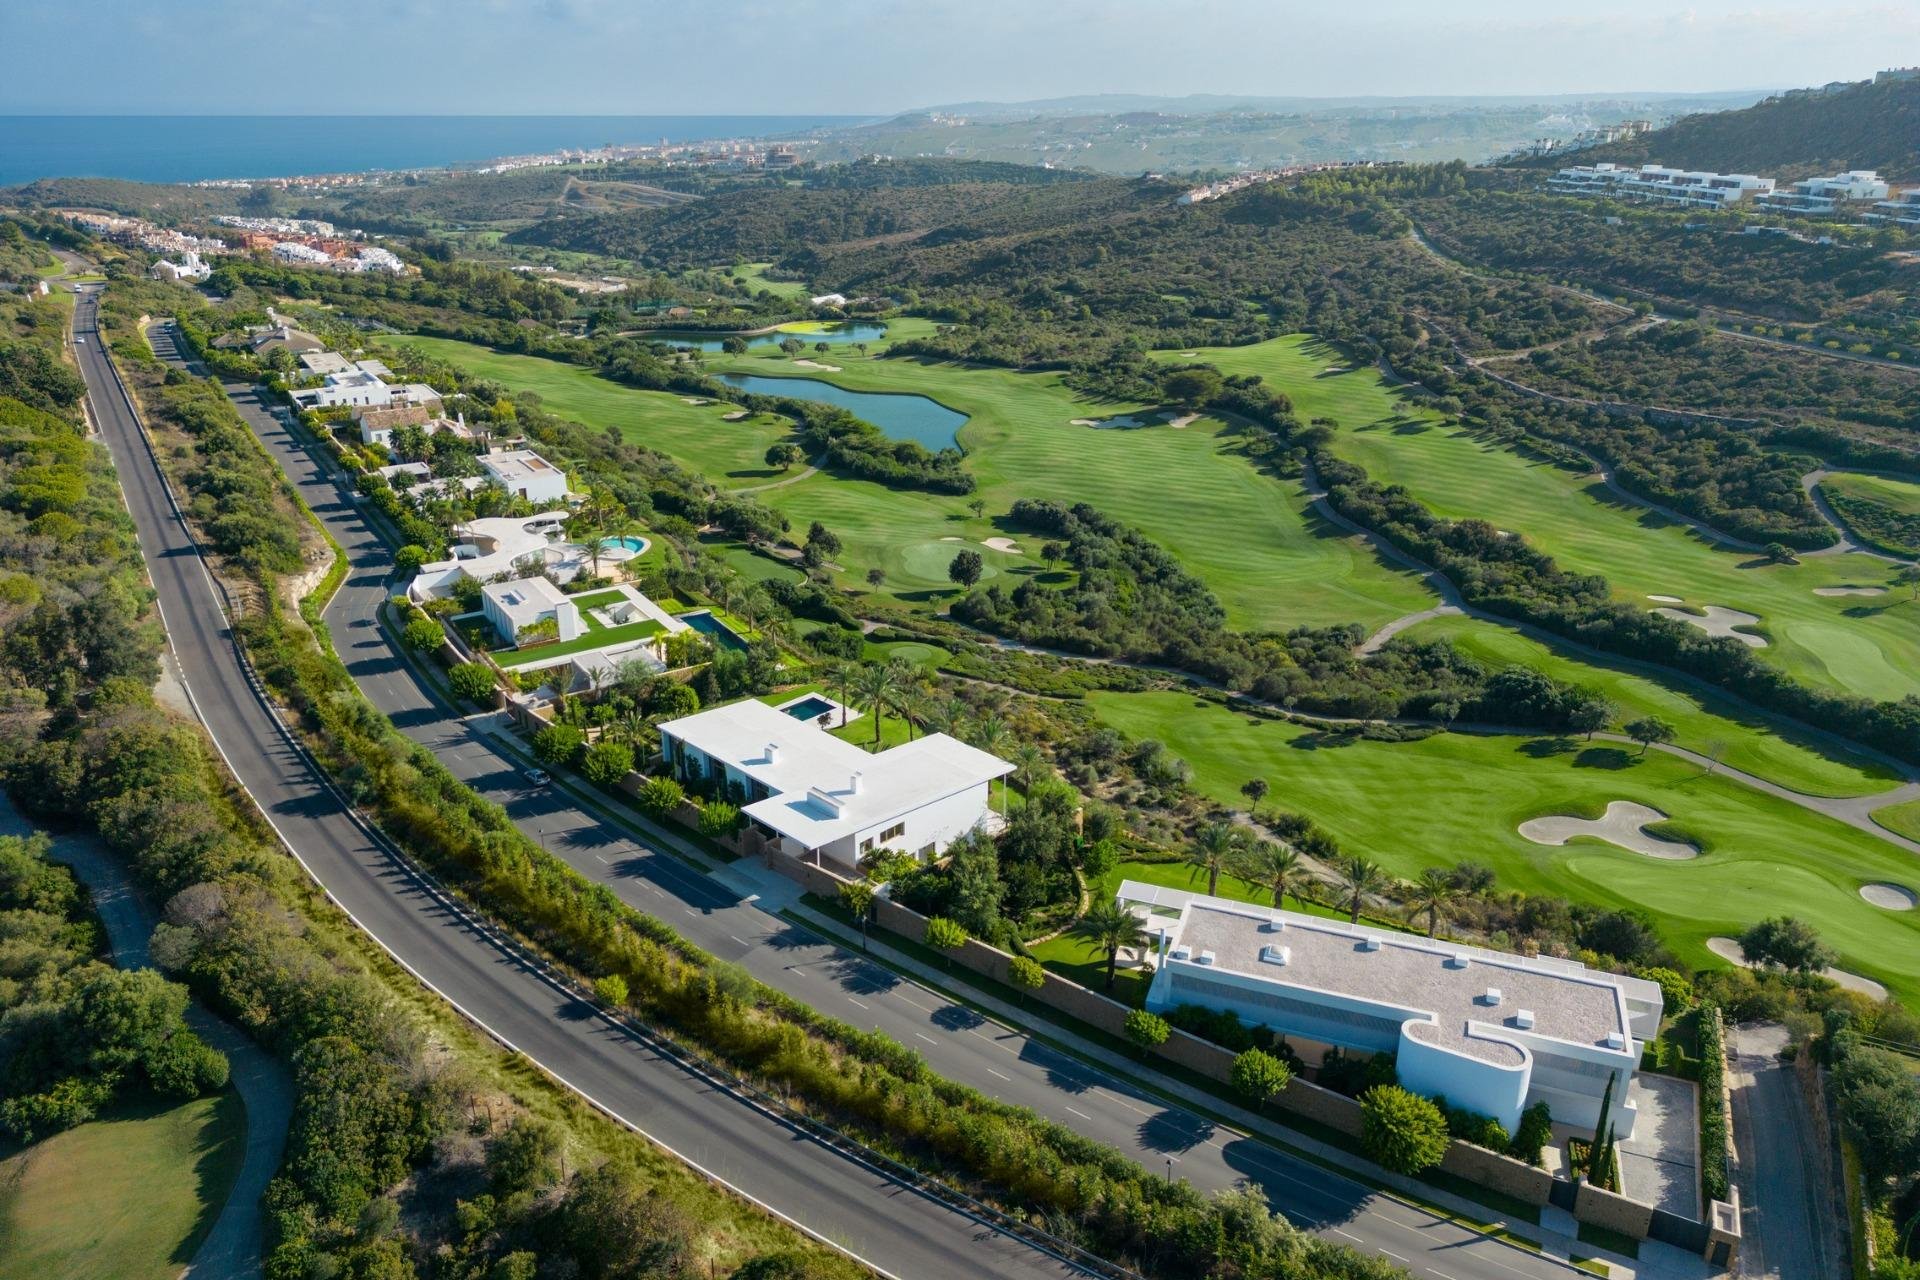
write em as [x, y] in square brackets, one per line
[1660, 184]
[378, 425]
[500, 547]
[1490, 1031]
[1824, 196]
[816, 797]
[525, 474]
[362, 387]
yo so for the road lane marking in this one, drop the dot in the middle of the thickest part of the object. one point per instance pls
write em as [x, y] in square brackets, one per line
[1348, 1234]
[863, 1004]
[1003, 1075]
[929, 1039]
[1083, 1115]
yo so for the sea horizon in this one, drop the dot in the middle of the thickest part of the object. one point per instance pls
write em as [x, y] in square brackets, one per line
[212, 147]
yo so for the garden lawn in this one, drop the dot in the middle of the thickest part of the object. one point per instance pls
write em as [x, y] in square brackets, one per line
[1864, 645]
[1708, 723]
[755, 274]
[1248, 534]
[125, 1197]
[730, 454]
[1454, 797]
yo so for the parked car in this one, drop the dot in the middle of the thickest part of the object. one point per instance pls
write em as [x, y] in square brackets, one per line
[536, 777]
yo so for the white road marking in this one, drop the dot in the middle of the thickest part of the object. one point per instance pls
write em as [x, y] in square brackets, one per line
[1001, 1074]
[861, 1003]
[1391, 1254]
[1083, 1115]
[929, 1039]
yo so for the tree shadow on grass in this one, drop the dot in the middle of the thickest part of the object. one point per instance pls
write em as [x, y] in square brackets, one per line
[1326, 738]
[1547, 748]
[1604, 758]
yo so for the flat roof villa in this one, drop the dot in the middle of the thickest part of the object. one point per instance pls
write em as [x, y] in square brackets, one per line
[1490, 1031]
[362, 387]
[1816, 196]
[816, 796]
[378, 425]
[501, 547]
[1903, 209]
[526, 474]
[1660, 184]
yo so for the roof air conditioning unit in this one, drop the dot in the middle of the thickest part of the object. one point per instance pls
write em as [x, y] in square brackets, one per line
[1276, 955]
[1523, 1019]
[1274, 924]
[1182, 953]
[1616, 1040]
[1370, 943]
[1492, 996]
[1206, 957]
[1457, 961]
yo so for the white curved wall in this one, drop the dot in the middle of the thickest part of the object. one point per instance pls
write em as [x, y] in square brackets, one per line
[1473, 1084]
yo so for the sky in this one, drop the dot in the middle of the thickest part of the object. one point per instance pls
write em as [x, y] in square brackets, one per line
[872, 57]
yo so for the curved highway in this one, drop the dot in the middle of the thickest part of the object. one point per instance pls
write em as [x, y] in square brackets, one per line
[855, 1207]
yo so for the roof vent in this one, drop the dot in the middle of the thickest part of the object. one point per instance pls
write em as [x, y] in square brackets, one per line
[773, 753]
[1523, 1019]
[1370, 943]
[1458, 960]
[1274, 924]
[1276, 955]
[1206, 957]
[1616, 1040]
[1182, 953]
[1492, 996]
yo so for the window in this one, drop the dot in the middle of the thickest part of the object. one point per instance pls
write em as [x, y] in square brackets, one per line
[893, 832]
[866, 846]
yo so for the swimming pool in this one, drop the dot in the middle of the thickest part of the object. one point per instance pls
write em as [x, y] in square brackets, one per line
[719, 632]
[811, 707]
[625, 543]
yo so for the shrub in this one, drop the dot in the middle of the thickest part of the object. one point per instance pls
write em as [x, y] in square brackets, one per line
[1533, 1135]
[1675, 990]
[1713, 1112]
[1401, 1131]
[1146, 1030]
[718, 819]
[660, 796]
[945, 935]
[611, 990]
[605, 763]
[409, 558]
[423, 633]
[559, 744]
[1472, 1126]
[1026, 973]
[471, 681]
[1259, 1076]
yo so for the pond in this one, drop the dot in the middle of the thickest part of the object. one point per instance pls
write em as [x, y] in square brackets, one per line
[852, 331]
[900, 416]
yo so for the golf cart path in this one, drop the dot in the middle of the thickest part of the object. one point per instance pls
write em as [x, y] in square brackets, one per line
[1848, 542]
[232, 1247]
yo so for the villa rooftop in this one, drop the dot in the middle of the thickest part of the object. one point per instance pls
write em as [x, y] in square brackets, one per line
[1470, 994]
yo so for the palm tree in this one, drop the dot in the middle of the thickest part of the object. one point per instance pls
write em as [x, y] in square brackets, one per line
[1278, 867]
[990, 734]
[840, 678]
[1213, 848]
[1110, 927]
[1434, 893]
[1030, 765]
[876, 687]
[915, 708]
[1359, 877]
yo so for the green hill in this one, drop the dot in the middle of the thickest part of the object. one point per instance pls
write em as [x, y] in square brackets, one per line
[1869, 126]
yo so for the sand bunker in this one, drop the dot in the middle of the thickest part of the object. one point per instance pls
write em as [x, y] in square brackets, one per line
[953, 538]
[1890, 897]
[1625, 824]
[735, 416]
[1184, 420]
[1188, 355]
[1720, 621]
[695, 400]
[815, 364]
[1849, 591]
[1666, 599]
[1729, 949]
[1001, 544]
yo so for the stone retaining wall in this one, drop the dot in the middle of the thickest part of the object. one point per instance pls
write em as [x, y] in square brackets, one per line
[1614, 1212]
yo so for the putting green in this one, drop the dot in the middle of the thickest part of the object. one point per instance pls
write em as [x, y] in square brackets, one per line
[1868, 646]
[1405, 805]
[1903, 819]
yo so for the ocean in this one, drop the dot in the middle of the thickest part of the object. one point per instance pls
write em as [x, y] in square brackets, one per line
[192, 148]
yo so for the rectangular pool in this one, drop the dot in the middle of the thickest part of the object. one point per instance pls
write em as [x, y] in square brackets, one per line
[811, 707]
[719, 632]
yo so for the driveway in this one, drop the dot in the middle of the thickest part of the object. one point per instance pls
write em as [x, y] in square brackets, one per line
[1660, 1164]
[1788, 1224]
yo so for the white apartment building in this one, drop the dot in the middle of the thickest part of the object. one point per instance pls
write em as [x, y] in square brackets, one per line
[816, 796]
[190, 267]
[1824, 196]
[1490, 1031]
[361, 387]
[1902, 210]
[526, 474]
[292, 251]
[1660, 184]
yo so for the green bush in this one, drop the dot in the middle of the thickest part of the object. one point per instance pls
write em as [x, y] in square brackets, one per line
[1146, 1030]
[659, 797]
[559, 744]
[1401, 1131]
[1713, 1112]
[605, 763]
[718, 819]
[1259, 1076]
[1535, 1132]
[423, 633]
[472, 681]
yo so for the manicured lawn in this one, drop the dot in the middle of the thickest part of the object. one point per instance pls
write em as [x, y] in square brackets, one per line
[1457, 796]
[731, 454]
[1074, 957]
[597, 637]
[1864, 645]
[755, 274]
[1904, 819]
[125, 1197]
[1706, 723]
[1248, 534]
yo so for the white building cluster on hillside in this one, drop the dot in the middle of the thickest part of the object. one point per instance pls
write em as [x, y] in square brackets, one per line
[1857, 190]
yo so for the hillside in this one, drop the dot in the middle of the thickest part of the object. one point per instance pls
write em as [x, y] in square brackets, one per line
[1871, 126]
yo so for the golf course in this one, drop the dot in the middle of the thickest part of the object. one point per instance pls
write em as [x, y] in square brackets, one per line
[1404, 805]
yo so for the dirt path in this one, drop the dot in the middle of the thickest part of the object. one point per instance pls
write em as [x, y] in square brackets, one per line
[231, 1249]
[1378, 640]
[813, 468]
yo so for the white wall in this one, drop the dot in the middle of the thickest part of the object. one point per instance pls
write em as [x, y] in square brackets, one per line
[1491, 1088]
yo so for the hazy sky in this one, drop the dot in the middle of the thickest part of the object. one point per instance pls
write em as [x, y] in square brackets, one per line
[874, 56]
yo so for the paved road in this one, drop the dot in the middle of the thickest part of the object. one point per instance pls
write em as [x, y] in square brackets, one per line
[892, 1227]
[955, 1041]
[231, 1248]
[1788, 1225]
